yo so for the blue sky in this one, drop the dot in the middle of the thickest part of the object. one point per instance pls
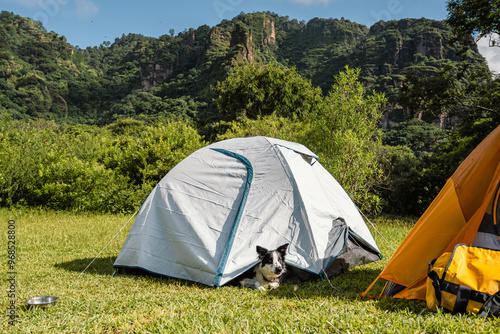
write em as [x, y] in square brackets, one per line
[91, 22]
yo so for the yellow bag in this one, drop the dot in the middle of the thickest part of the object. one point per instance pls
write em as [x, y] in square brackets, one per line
[465, 281]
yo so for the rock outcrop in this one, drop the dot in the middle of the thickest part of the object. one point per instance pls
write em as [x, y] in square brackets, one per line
[152, 75]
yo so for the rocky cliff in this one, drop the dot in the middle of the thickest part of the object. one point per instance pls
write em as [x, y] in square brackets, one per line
[71, 81]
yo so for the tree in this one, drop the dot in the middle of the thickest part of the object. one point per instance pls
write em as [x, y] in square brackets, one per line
[256, 90]
[410, 150]
[435, 95]
[344, 135]
[421, 137]
[270, 126]
[478, 18]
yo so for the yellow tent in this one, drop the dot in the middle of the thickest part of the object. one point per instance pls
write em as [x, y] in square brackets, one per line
[468, 202]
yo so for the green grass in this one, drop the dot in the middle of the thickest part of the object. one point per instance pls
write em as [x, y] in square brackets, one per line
[53, 248]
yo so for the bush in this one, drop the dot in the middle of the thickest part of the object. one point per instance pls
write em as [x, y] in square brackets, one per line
[146, 153]
[85, 168]
[270, 126]
[344, 135]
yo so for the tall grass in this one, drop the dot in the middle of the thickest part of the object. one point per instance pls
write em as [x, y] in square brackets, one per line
[53, 248]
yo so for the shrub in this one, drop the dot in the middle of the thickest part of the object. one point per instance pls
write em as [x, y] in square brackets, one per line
[84, 168]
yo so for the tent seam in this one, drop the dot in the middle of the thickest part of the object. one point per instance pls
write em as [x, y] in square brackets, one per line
[237, 219]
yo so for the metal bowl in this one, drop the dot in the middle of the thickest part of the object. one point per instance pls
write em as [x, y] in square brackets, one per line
[42, 301]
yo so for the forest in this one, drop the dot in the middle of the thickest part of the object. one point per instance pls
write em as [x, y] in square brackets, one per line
[391, 110]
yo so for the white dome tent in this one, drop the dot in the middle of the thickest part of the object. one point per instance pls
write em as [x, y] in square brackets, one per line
[204, 219]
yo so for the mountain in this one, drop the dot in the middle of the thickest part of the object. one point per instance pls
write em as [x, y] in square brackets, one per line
[144, 77]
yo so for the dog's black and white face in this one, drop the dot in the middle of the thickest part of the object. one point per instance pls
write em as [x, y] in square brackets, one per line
[268, 271]
[272, 263]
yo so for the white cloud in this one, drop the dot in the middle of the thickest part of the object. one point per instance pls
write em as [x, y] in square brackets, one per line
[491, 53]
[86, 8]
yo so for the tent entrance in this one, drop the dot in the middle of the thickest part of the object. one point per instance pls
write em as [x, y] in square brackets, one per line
[488, 233]
[354, 253]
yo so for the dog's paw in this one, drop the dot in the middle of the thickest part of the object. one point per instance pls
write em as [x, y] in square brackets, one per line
[274, 285]
[252, 284]
[246, 283]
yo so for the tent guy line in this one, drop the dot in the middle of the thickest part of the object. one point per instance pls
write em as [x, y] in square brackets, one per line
[102, 250]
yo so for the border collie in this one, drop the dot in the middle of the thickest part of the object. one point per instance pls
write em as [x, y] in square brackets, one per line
[267, 273]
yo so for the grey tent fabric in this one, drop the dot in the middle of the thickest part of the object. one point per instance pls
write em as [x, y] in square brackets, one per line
[204, 219]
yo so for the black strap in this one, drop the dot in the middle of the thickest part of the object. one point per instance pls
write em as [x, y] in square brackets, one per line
[463, 293]
[463, 296]
[436, 282]
[491, 307]
[453, 288]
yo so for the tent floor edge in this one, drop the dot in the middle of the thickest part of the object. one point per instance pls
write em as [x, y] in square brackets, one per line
[138, 271]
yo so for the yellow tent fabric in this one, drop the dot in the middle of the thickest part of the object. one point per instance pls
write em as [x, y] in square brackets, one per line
[452, 218]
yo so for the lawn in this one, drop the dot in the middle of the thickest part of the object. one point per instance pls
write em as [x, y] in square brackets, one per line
[53, 248]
